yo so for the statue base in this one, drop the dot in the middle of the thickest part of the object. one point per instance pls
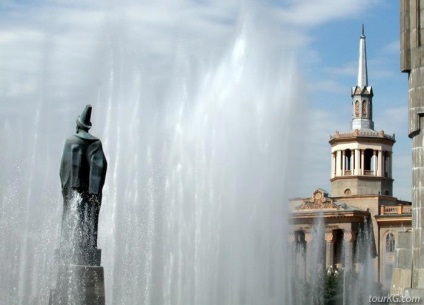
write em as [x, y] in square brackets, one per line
[80, 279]
[81, 257]
[79, 285]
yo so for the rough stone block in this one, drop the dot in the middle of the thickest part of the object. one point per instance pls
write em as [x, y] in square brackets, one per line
[420, 263]
[403, 258]
[402, 271]
[417, 234]
[401, 279]
[405, 240]
[418, 278]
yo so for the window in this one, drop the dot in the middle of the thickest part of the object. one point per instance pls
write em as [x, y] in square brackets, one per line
[390, 243]
[300, 241]
[368, 160]
[348, 159]
[364, 109]
[338, 247]
[386, 163]
[356, 109]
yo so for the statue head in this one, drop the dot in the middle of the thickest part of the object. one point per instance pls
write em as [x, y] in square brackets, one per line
[83, 120]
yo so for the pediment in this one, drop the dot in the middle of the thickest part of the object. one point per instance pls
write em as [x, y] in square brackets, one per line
[319, 200]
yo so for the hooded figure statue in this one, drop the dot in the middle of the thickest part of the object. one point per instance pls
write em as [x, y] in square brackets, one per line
[82, 175]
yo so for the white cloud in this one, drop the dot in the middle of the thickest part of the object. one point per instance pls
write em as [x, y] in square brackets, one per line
[381, 68]
[392, 47]
[328, 86]
[309, 13]
[392, 120]
[377, 68]
[315, 172]
[349, 68]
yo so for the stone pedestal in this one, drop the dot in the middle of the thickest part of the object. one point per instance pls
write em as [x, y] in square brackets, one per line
[79, 285]
[80, 257]
[80, 279]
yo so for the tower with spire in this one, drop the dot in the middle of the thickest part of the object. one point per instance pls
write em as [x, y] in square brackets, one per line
[361, 159]
[362, 93]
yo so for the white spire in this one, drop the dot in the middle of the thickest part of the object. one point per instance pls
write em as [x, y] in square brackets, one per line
[362, 93]
[362, 69]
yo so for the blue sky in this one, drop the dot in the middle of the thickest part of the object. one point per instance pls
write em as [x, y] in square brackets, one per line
[46, 47]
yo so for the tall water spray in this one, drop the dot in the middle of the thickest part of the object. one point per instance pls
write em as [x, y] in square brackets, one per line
[198, 140]
[208, 225]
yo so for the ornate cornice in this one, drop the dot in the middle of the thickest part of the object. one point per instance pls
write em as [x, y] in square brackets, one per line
[355, 134]
[318, 201]
[362, 177]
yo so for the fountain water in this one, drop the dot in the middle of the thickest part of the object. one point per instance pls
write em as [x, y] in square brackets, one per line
[194, 208]
[364, 285]
[211, 226]
[337, 284]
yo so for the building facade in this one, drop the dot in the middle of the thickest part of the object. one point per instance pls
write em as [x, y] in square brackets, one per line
[361, 207]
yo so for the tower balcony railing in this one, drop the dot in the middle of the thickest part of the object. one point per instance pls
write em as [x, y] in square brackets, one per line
[357, 132]
[368, 173]
[348, 172]
[399, 209]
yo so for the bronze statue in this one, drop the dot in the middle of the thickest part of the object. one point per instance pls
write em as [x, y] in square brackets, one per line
[82, 174]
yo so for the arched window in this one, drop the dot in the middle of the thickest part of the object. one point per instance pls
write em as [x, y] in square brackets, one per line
[368, 161]
[364, 109]
[356, 109]
[300, 241]
[348, 161]
[390, 243]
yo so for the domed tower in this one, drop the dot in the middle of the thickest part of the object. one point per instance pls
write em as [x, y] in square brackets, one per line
[361, 160]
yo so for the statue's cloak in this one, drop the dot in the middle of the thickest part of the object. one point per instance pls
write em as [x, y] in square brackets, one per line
[83, 167]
